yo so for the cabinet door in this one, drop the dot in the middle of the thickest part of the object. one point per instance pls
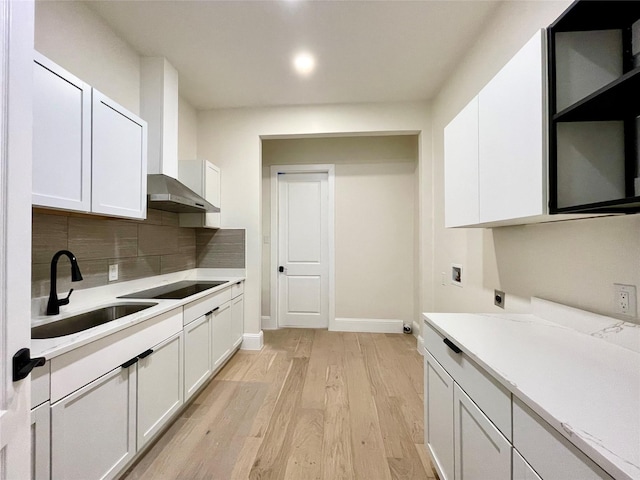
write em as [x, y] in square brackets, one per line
[521, 469]
[480, 450]
[221, 332]
[197, 354]
[438, 416]
[461, 168]
[160, 386]
[41, 442]
[212, 193]
[93, 429]
[119, 152]
[237, 321]
[61, 138]
[512, 147]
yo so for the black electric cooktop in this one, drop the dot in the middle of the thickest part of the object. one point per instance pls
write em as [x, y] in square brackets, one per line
[175, 291]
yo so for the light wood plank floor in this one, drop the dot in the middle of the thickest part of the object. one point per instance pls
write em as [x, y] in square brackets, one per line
[311, 405]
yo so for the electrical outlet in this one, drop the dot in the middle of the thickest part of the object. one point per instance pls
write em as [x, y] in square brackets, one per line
[498, 298]
[456, 274]
[443, 280]
[113, 272]
[625, 299]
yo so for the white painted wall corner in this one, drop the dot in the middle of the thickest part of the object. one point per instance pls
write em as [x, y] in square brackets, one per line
[267, 324]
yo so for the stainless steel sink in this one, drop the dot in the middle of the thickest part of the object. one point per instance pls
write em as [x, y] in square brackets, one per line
[84, 321]
[177, 290]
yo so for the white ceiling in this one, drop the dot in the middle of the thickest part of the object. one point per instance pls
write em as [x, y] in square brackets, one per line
[238, 53]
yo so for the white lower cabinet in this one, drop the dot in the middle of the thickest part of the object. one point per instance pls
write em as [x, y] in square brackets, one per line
[481, 451]
[438, 416]
[197, 354]
[221, 333]
[521, 469]
[97, 429]
[89, 420]
[237, 320]
[41, 442]
[548, 452]
[160, 387]
[477, 430]
[92, 435]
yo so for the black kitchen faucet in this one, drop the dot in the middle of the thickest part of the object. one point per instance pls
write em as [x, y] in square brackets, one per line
[53, 307]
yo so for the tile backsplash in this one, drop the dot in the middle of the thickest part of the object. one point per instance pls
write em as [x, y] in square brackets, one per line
[145, 248]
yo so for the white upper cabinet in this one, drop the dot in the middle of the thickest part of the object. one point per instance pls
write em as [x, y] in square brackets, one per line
[495, 148]
[89, 153]
[461, 168]
[61, 138]
[119, 151]
[512, 147]
[203, 177]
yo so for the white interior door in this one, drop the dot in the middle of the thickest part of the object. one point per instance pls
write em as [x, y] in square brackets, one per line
[303, 250]
[16, 81]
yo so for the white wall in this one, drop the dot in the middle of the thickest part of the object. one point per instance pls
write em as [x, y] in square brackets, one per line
[573, 262]
[76, 38]
[375, 221]
[232, 139]
[187, 131]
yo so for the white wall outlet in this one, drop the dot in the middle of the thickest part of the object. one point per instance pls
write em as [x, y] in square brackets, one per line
[625, 299]
[113, 272]
[444, 278]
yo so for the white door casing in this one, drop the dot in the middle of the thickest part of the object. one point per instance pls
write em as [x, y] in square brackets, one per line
[16, 75]
[302, 231]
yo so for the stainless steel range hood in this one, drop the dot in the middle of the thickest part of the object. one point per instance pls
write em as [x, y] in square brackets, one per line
[167, 193]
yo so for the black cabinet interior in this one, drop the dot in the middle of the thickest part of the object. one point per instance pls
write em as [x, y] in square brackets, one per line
[594, 108]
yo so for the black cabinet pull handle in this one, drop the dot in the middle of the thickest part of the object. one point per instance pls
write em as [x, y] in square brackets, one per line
[238, 283]
[128, 363]
[452, 345]
[213, 311]
[146, 353]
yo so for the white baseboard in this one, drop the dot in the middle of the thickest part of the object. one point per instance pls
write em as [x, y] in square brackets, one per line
[267, 324]
[366, 325]
[252, 341]
[421, 349]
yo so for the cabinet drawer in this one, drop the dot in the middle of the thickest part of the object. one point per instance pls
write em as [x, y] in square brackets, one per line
[40, 380]
[203, 306]
[237, 289]
[548, 452]
[492, 398]
[82, 365]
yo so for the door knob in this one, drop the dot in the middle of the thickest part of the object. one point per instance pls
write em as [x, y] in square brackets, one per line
[281, 269]
[23, 364]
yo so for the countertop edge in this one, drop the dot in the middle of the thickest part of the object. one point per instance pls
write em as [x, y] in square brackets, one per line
[54, 347]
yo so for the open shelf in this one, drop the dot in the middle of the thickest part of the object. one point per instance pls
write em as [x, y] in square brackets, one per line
[594, 80]
[615, 101]
[597, 15]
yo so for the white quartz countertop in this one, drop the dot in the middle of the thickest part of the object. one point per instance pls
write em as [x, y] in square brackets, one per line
[93, 298]
[587, 388]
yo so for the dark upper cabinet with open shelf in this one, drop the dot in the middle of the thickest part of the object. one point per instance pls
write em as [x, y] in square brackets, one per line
[594, 108]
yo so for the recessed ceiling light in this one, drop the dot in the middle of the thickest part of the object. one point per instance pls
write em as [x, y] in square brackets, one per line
[304, 63]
